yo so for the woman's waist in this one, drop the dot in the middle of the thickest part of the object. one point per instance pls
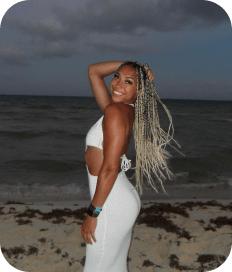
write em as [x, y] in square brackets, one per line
[94, 159]
[95, 176]
[121, 181]
[95, 165]
[121, 184]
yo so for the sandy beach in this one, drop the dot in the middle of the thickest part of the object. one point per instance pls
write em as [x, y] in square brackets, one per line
[168, 235]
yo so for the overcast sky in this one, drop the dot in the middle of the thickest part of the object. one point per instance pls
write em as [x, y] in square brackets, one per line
[47, 45]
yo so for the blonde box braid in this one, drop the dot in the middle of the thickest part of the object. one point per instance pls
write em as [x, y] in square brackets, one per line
[150, 139]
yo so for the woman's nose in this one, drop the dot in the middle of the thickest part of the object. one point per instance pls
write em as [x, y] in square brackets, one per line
[118, 84]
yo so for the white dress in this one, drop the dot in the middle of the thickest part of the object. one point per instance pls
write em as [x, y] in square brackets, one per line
[116, 220]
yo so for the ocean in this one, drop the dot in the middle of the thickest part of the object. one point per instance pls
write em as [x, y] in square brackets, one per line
[42, 146]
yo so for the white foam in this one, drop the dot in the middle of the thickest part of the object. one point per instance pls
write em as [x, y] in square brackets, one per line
[201, 185]
[39, 190]
[229, 180]
[227, 119]
[181, 174]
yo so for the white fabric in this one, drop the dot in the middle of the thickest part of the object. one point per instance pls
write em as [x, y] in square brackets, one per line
[95, 135]
[125, 164]
[114, 227]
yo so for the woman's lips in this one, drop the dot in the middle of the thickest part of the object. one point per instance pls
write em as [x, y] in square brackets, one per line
[118, 93]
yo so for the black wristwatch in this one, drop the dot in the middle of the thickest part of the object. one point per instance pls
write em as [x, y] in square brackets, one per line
[93, 211]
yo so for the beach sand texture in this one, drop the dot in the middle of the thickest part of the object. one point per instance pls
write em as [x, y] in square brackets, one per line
[167, 236]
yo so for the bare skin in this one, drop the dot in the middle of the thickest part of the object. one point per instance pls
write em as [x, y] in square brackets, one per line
[124, 82]
[92, 152]
[117, 126]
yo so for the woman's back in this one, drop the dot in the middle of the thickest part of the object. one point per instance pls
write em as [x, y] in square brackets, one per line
[94, 147]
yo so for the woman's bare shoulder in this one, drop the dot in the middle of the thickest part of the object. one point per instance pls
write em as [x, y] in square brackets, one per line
[114, 112]
[116, 116]
[117, 111]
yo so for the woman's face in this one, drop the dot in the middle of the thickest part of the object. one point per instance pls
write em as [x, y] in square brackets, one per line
[124, 85]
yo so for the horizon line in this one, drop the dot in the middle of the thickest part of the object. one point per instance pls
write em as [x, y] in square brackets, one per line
[195, 99]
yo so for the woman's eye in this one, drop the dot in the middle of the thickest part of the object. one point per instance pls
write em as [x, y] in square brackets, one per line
[115, 75]
[129, 82]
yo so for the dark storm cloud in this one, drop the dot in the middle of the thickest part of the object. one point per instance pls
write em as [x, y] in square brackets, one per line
[128, 16]
[123, 16]
[93, 25]
[12, 56]
[48, 38]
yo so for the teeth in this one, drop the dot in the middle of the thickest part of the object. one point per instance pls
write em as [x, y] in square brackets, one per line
[117, 93]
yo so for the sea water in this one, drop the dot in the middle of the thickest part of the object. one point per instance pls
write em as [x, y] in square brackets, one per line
[42, 145]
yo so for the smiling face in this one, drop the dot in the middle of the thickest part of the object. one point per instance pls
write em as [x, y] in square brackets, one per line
[124, 85]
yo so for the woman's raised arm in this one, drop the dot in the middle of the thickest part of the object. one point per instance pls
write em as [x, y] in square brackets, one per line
[96, 73]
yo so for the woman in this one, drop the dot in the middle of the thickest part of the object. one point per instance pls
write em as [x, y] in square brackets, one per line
[115, 202]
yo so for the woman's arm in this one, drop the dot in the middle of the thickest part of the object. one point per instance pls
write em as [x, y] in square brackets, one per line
[96, 73]
[116, 128]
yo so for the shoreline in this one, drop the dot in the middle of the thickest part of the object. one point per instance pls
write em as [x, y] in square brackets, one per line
[86, 203]
[218, 192]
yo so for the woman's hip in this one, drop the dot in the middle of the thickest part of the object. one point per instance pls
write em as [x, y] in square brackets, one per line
[123, 195]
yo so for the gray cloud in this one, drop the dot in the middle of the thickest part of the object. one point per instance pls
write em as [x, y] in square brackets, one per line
[94, 25]
[12, 56]
[122, 16]
[49, 29]
[127, 16]
[48, 38]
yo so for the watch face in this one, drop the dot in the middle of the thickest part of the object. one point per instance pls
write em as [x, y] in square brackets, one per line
[92, 213]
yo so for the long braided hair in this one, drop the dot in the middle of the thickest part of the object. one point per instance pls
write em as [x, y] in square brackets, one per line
[150, 139]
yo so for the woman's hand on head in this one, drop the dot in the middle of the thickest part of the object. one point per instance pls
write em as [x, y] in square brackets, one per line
[149, 73]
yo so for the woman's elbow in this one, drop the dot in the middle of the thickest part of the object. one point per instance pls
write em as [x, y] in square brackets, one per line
[90, 69]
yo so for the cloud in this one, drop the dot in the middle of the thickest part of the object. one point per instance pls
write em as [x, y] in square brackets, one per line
[127, 16]
[122, 17]
[48, 29]
[48, 38]
[12, 56]
[115, 26]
